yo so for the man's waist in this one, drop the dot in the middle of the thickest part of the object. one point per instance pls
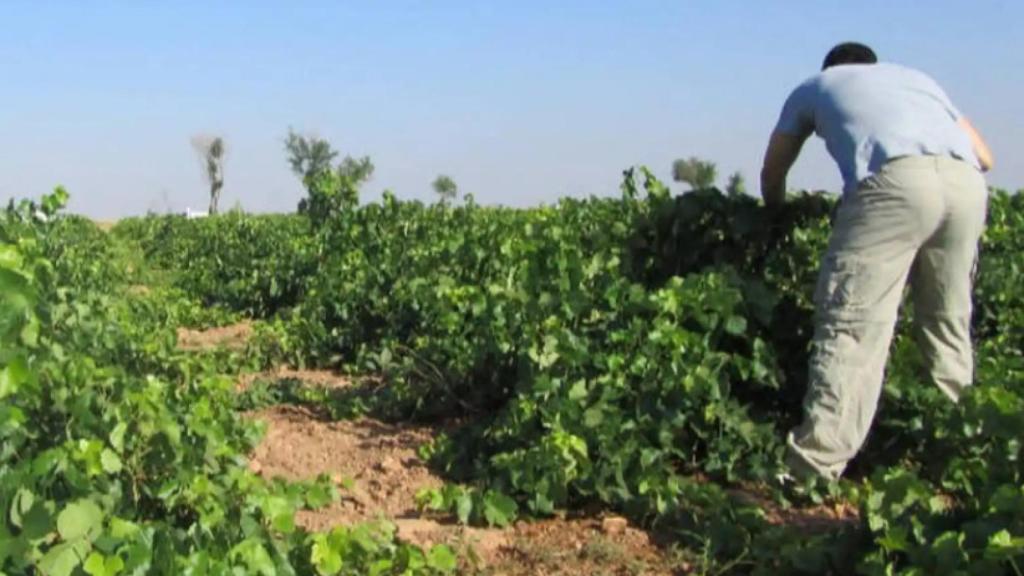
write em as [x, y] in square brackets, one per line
[925, 161]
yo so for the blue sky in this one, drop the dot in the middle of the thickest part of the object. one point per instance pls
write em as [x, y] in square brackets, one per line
[521, 102]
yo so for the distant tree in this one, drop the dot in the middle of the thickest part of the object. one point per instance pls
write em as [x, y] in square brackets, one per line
[312, 155]
[308, 155]
[330, 190]
[736, 186]
[211, 150]
[446, 188]
[697, 173]
[356, 170]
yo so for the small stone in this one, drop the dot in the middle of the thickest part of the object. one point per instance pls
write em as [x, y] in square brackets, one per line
[614, 525]
[255, 466]
[389, 464]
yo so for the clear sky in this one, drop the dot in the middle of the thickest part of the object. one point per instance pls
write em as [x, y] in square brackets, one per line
[520, 102]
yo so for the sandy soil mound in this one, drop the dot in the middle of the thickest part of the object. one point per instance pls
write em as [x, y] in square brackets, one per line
[380, 458]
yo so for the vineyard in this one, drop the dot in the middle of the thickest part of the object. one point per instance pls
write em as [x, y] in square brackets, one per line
[641, 356]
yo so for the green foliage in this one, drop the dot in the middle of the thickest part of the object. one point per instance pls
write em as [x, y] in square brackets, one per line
[372, 550]
[611, 349]
[308, 155]
[331, 190]
[646, 353]
[470, 505]
[999, 311]
[252, 265]
[330, 195]
[120, 454]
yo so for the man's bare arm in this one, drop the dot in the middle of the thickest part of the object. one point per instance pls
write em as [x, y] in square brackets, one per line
[981, 149]
[782, 152]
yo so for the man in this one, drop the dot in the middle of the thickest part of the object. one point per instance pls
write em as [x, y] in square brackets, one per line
[913, 209]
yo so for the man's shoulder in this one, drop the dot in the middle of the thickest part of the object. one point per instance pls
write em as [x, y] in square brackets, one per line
[880, 71]
[903, 70]
[808, 87]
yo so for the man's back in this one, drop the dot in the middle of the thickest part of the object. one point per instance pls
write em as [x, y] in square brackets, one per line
[872, 113]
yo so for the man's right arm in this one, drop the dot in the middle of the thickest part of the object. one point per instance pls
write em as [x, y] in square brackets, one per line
[795, 125]
[981, 149]
[783, 150]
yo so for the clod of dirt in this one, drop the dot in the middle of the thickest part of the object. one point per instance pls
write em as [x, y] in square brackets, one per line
[389, 465]
[614, 525]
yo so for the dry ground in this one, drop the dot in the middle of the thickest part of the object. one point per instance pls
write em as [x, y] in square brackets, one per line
[233, 337]
[380, 462]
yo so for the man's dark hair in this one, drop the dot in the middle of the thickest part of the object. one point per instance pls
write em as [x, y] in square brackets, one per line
[849, 53]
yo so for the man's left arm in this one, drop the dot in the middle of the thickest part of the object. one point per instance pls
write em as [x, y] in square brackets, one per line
[981, 149]
[783, 150]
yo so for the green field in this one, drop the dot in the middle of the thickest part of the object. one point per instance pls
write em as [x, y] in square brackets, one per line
[642, 355]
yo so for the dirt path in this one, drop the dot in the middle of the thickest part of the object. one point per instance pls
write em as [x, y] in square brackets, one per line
[380, 461]
[380, 472]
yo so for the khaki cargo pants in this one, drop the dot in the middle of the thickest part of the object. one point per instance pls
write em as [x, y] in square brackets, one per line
[918, 219]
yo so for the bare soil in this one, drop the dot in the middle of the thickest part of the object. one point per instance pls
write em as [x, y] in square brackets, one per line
[379, 473]
[233, 337]
[380, 458]
[313, 378]
[379, 464]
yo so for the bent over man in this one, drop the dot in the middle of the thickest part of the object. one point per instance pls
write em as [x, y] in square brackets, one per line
[913, 209]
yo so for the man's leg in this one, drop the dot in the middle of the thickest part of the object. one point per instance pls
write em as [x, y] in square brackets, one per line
[877, 233]
[942, 277]
[847, 367]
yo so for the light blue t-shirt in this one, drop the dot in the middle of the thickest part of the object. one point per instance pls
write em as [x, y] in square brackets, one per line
[869, 114]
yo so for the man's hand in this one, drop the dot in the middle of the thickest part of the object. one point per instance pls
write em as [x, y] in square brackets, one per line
[782, 152]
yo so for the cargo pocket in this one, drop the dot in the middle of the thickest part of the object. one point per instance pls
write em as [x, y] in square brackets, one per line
[843, 289]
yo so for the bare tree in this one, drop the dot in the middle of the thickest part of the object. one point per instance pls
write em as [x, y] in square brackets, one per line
[699, 174]
[211, 150]
[446, 188]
